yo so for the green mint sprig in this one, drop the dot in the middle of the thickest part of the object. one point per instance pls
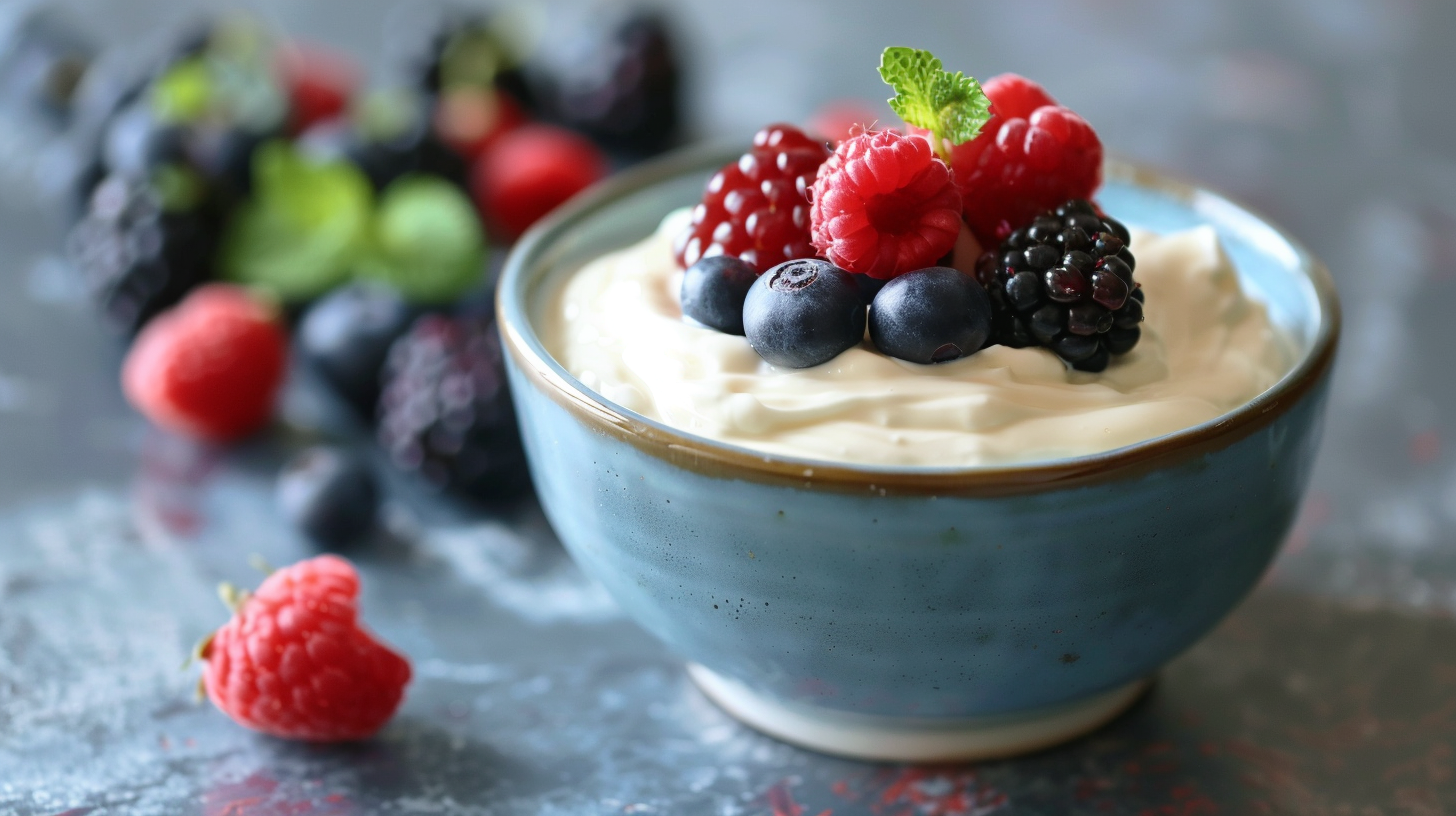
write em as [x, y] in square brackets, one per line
[951, 106]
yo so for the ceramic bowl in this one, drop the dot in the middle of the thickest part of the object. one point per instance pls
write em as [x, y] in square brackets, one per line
[914, 613]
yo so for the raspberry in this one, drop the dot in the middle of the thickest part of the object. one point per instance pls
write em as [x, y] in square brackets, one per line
[530, 171]
[757, 208]
[318, 82]
[295, 663]
[1031, 156]
[884, 205]
[209, 368]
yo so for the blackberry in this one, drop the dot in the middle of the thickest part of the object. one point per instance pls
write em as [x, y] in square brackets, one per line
[140, 253]
[622, 85]
[1065, 282]
[445, 412]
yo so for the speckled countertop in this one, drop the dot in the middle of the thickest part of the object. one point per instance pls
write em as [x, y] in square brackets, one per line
[1331, 691]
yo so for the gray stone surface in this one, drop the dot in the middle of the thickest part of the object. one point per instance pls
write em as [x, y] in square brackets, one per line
[1332, 690]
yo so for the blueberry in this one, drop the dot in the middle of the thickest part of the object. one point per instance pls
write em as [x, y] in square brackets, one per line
[346, 336]
[330, 495]
[869, 286]
[931, 316]
[713, 290]
[803, 312]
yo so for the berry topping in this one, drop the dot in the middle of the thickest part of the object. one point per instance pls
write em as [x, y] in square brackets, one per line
[209, 368]
[346, 335]
[713, 291]
[884, 205]
[294, 661]
[531, 171]
[803, 313]
[757, 208]
[931, 316]
[1065, 281]
[1032, 155]
[330, 495]
[446, 413]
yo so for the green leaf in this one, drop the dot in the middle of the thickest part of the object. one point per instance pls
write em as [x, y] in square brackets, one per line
[304, 228]
[426, 241]
[951, 106]
[184, 93]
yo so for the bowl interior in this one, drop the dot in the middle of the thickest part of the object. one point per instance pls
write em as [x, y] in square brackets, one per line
[1273, 268]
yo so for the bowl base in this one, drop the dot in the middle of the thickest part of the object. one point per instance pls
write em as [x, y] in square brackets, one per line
[906, 739]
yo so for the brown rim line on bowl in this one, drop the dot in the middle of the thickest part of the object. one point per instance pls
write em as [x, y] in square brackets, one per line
[722, 460]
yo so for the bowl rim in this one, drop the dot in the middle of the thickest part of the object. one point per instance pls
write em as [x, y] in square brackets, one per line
[724, 460]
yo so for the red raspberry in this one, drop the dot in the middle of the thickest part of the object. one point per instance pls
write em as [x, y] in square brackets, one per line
[294, 662]
[1031, 156]
[319, 83]
[885, 205]
[529, 172]
[210, 367]
[757, 208]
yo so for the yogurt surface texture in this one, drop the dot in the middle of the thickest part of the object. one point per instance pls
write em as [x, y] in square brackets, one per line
[1206, 349]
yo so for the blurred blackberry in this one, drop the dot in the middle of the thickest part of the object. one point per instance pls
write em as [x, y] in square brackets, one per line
[391, 135]
[1066, 282]
[623, 85]
[470, 51]
[445, 412]
[142, 249]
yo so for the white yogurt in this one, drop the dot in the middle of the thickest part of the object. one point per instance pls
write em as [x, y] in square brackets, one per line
[1206, 349]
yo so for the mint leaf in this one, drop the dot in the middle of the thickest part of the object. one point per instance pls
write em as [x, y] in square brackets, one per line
[951, 106]
[304, 227]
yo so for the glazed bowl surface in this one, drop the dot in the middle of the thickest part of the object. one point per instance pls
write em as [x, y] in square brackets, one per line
[925, 595]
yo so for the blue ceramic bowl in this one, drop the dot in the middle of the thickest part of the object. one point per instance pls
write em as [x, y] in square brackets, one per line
[910, 612]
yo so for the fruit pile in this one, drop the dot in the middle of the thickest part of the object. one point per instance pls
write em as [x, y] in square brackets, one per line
[246, 181]
[802, 249]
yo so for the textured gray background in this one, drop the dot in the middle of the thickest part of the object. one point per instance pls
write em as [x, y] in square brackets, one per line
[1332, 691]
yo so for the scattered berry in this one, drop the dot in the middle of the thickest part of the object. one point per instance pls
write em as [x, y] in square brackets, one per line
[389, 135]
[446, 412]
[346, 336]
[330, 495]
[804, 312]
[623, 88]
[294, 661]
[468, 51]
[931, 316]
[427, 241]
[209, 368]
[530, 172]
[139, 256]
[1066, 282]
[318, 83]
[713, 291]
[757, 208]
[1031, 156]
[471, 120]
[885, 205]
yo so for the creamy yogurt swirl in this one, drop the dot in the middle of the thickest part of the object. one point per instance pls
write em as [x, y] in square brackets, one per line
[1206, 349]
